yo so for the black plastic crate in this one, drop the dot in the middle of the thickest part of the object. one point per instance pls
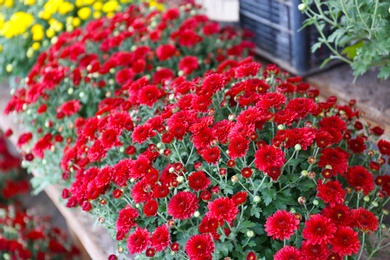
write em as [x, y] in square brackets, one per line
[276, 25]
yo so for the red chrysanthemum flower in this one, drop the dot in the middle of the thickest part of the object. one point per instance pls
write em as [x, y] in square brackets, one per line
[165, 51]
[138, 241]
[183, 205]
[188, 38]
[238, 146]
[223, 209]
[314, 251]
[365, 220]
[360, 178]
[69, 107]
[150, 208]
[211, 155]
[141, 191]
[345, 241]
[281, 225]
[318, 229]
[198, 181]
[288, 253]
[384, 147]
[24, 138]
[160, 238]
[301, 106]
[323, 138]
[247, 69]
[357, 145]
[142, 133]
[268, 156]
[331, 192]
[188, 64]
[126, 220]
[110, 138]
[302, 136]
[220, 130]
[148, 95]
[339, 214]
[270, 100]
[337, 158]
[200, 247]
[251, 256]
[240, 197]
[332, 122]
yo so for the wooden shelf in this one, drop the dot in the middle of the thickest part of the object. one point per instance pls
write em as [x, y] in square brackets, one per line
[95, 241]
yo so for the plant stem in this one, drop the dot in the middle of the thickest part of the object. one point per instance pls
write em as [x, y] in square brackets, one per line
[362, 247]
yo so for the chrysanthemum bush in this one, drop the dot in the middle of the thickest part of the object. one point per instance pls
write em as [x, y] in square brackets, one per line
[240, 163]
[83, 67]
[27, 28]
[12, 183]
[24, 234]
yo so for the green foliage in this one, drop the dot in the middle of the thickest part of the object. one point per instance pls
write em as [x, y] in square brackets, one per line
[360, 32]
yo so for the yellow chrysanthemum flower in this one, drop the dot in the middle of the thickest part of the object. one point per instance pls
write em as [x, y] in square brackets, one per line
[50, 33]
[158, 6]
[84, 13]
[97, 15]
[17, 24]
[76, 22]
[97, 6]
[29, 2]
[8, 3]
[37, 32]
[65, 8]
[56, 25]
[110, 6]
[36, 45]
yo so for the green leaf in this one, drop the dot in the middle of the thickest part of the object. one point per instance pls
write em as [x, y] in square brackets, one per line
[351, 51]
[268, 195]
[316, 46]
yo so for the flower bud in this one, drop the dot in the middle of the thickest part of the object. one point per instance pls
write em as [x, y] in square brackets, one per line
[196, 214]
[171, 223]
[311, 175]
[180, 179]
[327, 173]
[316, 202]
[292, 210]
[302, 7]
[298, 147]
[385, 212]
[383, 226]
[281, 127]
[150, 252]
[234, 179]
[304, 173]
[250, 233]
[171, 170]
[366, 198]
[311, 160]
[256, 199]
[375, 204]
[301, 200]
[231, 117]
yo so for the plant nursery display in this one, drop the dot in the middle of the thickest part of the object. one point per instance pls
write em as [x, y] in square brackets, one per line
[29, 27]
[24, 235]
[12, 183]
[361, 31]
[243, 162]
[159, 125]
[70, 80]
